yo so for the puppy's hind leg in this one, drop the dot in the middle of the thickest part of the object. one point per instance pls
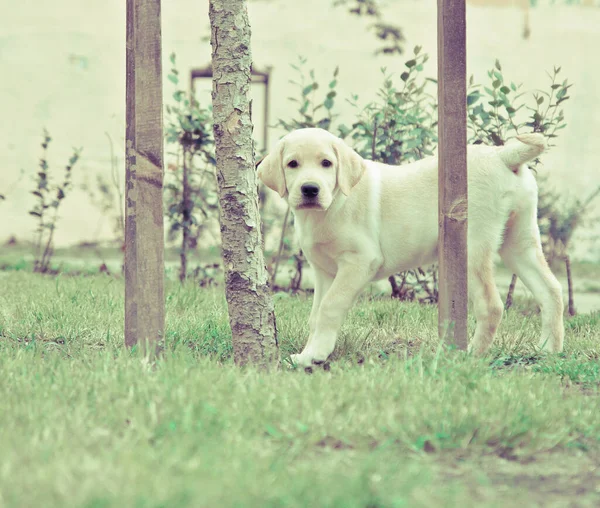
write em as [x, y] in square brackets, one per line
[522, 253]
[484, 295]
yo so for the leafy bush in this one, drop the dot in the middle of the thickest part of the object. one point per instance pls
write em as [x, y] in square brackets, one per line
[401, 126]
[559, 217]
[191, 199]
[493, 111]
[313, 111]
[49, 197]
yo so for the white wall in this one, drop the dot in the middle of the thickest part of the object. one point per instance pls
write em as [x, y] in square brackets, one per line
[63, 66]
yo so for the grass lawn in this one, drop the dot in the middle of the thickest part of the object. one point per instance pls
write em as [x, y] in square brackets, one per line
[397, 421]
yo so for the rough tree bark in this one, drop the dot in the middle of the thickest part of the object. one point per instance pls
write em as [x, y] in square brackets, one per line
[251, 312]
[144, 229]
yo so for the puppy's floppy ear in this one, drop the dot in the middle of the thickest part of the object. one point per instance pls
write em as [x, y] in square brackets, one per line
[351, 166]
[270, 170]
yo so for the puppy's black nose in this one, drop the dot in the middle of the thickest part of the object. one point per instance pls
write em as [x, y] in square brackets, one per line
[310, 190]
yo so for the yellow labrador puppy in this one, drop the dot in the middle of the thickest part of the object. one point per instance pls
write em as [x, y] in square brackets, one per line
[359, 221]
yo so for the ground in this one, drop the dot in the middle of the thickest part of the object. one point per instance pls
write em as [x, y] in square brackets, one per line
[398, 420]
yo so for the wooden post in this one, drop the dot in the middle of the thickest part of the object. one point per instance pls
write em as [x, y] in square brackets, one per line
[452, 132]
[144, 230]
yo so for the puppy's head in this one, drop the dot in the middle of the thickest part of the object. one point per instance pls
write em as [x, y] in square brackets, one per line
[308, 165]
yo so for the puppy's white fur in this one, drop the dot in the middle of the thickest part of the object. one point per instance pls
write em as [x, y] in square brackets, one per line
[371, 220]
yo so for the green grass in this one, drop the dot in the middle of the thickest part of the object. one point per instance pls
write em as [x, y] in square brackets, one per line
[397, 421]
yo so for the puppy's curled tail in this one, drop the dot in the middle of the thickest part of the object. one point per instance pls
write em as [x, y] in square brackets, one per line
[528, 147]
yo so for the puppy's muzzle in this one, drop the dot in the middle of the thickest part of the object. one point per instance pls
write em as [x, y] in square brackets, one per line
[310, 190]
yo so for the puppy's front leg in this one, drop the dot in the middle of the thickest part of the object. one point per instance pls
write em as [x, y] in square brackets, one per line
[323, 282]
[350, 280]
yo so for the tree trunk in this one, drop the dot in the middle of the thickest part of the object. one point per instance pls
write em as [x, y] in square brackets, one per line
[572, 310]
[511, 291]
[186, 215]
[251, 312]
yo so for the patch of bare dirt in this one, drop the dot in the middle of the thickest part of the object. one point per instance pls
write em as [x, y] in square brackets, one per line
[333, 443]
[561, 479]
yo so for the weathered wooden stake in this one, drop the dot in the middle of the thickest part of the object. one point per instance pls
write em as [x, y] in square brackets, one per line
[452, 132]
[144, 230]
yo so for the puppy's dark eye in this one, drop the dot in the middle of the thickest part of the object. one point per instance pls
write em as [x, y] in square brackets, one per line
[292, 164]
[326, 164]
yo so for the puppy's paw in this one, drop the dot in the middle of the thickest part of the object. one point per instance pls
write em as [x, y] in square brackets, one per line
[551, 345]
[301, 360]
[308, 362]
[478, 348]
